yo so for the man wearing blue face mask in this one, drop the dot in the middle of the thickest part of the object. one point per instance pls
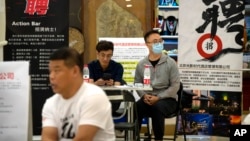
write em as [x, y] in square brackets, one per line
[165, 81]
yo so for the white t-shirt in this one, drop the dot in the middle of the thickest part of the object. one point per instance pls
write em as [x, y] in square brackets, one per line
[89, 106]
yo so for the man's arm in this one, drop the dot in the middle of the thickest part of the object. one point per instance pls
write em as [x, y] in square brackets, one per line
[174, 81]
[49, 134]
[86, 133]
[138, 78]
[49, 129]
[99, 82]
[118, 75]
[117, 83]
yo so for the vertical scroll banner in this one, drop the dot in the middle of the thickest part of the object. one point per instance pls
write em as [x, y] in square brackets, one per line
[14, 101]
[210, 46]
[34, 29]
[211, 38]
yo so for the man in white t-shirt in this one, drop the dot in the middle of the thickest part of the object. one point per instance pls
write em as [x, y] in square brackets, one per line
[78, 111]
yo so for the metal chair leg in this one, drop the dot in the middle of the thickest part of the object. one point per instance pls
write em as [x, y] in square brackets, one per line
[183, 125]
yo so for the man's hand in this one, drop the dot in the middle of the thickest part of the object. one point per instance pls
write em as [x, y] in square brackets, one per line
[100, 82]
[109, 82]
[150, 99]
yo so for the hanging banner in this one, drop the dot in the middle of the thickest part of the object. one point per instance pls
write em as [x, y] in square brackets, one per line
[14, 101]
[34, 29]
[210, 46]
[211, 38]
[128, 52]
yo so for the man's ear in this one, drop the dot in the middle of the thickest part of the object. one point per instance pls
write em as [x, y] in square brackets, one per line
[76, 70]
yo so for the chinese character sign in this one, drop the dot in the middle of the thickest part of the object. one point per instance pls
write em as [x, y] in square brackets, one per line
[210, 63]
[211, 34]
[39, 7]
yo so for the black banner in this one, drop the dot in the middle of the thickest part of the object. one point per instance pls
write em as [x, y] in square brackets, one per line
[34, 29]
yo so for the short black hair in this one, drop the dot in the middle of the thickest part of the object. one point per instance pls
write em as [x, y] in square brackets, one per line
[104, 45]
[70, 56]
[147, 34]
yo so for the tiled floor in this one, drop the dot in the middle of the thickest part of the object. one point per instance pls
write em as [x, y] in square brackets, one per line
[180, 138]
[194, 138]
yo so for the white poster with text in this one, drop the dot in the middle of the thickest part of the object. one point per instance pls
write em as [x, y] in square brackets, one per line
[14, 101]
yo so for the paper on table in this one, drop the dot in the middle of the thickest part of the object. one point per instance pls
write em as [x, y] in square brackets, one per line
[122, 86]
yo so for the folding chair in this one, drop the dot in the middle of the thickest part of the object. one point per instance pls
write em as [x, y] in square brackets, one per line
[178, 114]
[129, 113]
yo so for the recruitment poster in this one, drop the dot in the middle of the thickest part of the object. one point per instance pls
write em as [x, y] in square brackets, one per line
[14, 101]
[34, 29]
[128, 52]
[211, 38]
[210, 46]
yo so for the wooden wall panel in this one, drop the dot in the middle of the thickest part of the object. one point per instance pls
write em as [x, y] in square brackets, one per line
[143, 10]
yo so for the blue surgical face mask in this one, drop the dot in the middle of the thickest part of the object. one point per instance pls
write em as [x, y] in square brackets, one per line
[157, 48]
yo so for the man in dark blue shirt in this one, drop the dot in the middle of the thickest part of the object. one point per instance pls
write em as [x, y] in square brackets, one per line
[105, 71]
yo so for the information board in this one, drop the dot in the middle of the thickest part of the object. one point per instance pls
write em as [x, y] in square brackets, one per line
[14, 101]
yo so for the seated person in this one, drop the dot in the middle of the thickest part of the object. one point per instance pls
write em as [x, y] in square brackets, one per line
[104, 71]
[165, 81]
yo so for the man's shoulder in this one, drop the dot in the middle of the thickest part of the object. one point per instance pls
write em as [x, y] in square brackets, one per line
[93, 62]
[143, 60]
[92, 87]
[115, 63]
[166, 58]
[55, 97]
[93, 91]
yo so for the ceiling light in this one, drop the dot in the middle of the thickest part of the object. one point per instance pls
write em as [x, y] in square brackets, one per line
[129, 5]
